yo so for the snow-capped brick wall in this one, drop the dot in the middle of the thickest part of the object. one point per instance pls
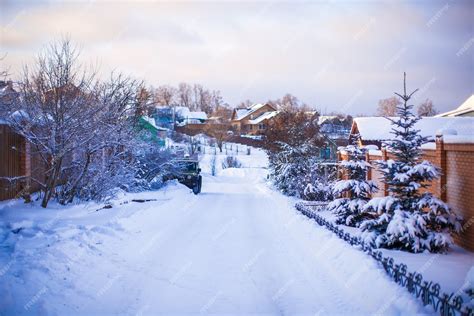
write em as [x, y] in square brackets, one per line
[455, 186]
[460, 187]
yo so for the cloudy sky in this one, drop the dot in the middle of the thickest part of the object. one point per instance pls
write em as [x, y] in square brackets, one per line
[336, 55]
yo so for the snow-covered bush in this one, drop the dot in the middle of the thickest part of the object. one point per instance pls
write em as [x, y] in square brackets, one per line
[298, 172]
[292, 141]
[354, 191]
[290, 167]
[152, 166]
[409, 218]
[319, 181]
[231, 162]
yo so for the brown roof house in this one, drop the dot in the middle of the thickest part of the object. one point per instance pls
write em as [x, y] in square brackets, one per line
[253, 120]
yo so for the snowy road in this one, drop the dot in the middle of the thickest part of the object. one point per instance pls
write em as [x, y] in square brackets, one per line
[237, 248]
[240, 248]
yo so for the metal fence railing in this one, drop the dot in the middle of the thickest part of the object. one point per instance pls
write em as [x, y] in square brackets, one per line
[428, 292]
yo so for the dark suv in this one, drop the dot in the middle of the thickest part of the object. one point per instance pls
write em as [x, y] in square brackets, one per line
[188, 174]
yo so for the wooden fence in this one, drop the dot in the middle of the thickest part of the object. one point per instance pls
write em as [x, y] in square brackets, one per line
[11, 169]
[21, 169]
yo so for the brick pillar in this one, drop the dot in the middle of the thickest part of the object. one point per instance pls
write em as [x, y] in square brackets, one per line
[441, 161]
[384, 158]
[369, 172]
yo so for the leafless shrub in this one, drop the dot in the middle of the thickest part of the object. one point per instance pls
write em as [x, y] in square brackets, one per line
[231, 162]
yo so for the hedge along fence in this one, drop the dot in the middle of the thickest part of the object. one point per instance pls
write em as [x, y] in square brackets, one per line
[427, 291]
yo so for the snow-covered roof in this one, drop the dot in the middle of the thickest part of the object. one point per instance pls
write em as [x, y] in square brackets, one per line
[323, 118]
[151, 121]
[184, 112]
[198, 115]
[263, 117]
[465, 108]
[456, 139]
[242, 113]
[379, 128]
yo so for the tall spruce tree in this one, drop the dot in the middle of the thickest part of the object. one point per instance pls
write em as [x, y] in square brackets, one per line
[354, 191]
[410, 218]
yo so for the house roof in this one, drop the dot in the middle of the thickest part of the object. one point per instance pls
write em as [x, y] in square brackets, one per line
[263, 117]
[323, 118]
[379, 128]
[184, 112]
[466, 107]
[198, 115]
[152, 123]
[243, 113]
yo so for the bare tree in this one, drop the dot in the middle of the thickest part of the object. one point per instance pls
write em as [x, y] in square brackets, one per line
[217, 101]
[388, 107]
[165, 95]
[185, 97]
[223, 112]
[78, 126]
[427, 108]
[202, 99]
[289, 103]
[294, 129]
[244, 104]
[219, 132]
[143, 105]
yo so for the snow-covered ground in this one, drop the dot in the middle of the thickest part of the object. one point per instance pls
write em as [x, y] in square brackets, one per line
[238, 248]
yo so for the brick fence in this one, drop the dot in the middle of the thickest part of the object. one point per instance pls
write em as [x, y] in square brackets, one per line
[455, 185]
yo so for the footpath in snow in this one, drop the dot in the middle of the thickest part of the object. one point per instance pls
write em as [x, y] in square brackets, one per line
[239, 248]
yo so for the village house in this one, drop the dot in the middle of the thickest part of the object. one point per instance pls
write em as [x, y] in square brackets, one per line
[156, 134]
[252, 120]
[185, 117]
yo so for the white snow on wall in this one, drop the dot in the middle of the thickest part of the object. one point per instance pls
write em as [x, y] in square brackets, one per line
[459, 139]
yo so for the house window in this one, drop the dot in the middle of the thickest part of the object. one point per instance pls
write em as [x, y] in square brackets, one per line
[261, 126]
